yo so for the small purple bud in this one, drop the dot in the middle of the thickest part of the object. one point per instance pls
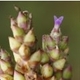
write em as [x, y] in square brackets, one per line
[57, 21]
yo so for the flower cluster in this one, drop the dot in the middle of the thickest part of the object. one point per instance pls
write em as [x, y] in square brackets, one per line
[46, 63]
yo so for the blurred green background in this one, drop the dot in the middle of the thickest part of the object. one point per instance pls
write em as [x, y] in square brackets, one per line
[43, 23]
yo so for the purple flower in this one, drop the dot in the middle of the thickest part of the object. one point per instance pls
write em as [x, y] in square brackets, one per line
[57, 21]
[56, 32]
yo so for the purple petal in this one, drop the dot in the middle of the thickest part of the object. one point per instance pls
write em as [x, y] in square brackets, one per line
[58, 21]
[55, 18]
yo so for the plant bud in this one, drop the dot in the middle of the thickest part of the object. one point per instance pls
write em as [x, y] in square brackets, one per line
[24, 51]
[64, 43]
[46, 71]
[44, 57]
[66, 51]
[54, 54]
[29, 38]
[35, 59]
[47, 43]
[23, 19]
[17, 32]
[58, 75]
[6, 67]
[14, 44]
[67, 73]
[18, 76]
[5, 77]
[5, 55]
[59, 64]
[17, 58]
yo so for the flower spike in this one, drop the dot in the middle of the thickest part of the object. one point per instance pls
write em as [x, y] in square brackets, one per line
[50, 62]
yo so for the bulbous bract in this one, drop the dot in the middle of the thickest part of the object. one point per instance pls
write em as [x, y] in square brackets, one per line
[6, 67]
[35, 59]
[67, 73]
[17, 31]
[54, 54]
[47, 70]
[18, 76]
[58, 75]
[22, 20]
[36, 56]
[29, 38]
[44, 57]
[63, 43]
[14, 44]
[24, 51]
[59, 64]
